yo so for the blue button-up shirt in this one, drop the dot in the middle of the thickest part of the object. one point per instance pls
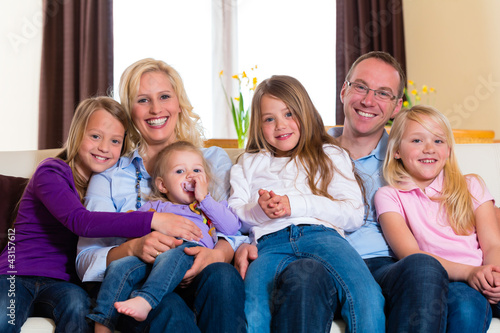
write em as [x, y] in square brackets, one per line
[369, 240]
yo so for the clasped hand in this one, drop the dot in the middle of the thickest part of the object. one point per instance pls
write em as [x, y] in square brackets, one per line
[273, 205]
[486, 279]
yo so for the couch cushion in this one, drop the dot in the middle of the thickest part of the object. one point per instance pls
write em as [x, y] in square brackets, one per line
[11, 189]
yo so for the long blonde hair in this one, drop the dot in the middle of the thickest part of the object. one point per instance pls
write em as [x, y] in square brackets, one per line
[456, 198]
[309, 150]
[187, 128]
[160, 166]
[77, 129]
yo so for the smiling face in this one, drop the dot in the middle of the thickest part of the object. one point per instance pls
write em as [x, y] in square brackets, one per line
[279, 127]
[177, 180]
[364, 114]
[423, 153]
[101, 144]
[156, 109]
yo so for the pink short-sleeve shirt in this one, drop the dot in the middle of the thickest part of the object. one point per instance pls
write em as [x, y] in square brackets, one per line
[428, 221]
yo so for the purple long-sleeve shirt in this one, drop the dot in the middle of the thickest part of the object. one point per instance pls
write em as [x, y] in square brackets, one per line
[224, 220]
[50, 219]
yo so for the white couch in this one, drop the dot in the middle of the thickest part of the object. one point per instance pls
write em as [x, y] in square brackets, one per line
[483, 159]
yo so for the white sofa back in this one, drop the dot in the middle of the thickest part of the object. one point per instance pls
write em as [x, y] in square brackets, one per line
[482, 159]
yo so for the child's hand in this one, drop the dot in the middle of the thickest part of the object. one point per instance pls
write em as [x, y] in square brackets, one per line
[273, 205]
[492, 293]
[284, 204]
[481, 278]
[200, 186]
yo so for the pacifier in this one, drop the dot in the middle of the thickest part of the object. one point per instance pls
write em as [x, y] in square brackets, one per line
[188, 186]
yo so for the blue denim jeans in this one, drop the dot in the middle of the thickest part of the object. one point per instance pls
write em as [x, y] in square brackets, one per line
[304, 298]
[213, 302]
[22, 296]
[358, 293]
[415, 290]
[468, 309]
[124, 275]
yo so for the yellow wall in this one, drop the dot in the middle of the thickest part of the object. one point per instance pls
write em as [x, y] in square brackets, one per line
[454, 46]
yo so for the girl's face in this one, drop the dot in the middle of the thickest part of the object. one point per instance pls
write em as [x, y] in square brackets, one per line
[279, 126]
[423, 154]
[101, 144]
[156, 109]
[177, 180]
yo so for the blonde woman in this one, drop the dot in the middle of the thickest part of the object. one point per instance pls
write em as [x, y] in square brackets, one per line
[153, 93]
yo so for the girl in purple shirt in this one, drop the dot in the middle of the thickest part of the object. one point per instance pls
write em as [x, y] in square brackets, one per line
[37, 266]
[431, 208]
[181, 179]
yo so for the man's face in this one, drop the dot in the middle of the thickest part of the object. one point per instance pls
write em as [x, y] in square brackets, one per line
[366, 114]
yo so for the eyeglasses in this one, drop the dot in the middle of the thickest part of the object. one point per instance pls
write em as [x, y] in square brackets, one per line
[381, 95]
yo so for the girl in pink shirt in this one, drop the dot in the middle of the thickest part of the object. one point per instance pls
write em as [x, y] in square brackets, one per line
[430, 207]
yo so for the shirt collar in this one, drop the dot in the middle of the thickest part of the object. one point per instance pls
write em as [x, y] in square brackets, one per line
[378, 152]
[435, 187]
[134, 158]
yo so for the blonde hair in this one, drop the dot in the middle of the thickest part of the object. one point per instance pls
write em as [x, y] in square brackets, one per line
[456, 198]
[84, 110]
[161, 164]
[188, 126]
[309, 150]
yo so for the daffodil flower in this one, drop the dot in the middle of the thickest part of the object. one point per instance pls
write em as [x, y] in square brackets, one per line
[240, 111]
[424, 89]
[414, 92]
[406, 104]
[410, 82]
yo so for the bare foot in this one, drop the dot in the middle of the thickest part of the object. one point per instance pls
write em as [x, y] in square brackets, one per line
[100, 328]
[137, 308]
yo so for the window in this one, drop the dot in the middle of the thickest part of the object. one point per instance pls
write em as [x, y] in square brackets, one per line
[289, 37]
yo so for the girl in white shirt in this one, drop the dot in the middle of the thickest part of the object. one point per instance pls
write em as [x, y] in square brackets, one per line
[295, 191]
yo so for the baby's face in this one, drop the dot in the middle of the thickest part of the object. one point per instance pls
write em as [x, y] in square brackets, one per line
[177, 180]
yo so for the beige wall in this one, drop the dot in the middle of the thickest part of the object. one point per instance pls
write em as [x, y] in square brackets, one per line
[454, 46]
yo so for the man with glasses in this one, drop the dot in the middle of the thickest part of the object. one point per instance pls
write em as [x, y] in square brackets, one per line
[415, 288]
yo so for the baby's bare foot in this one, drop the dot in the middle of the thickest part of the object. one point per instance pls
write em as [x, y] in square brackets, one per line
[137, 308]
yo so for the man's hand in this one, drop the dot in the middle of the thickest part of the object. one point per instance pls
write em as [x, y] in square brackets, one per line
[245, 254]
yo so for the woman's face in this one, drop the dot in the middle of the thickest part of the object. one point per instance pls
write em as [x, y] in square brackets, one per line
[156, 109]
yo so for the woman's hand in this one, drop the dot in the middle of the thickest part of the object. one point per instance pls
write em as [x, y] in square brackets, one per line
[146, 248]
[222, 252]
[176, 226]
[244, 255]
[202, 258]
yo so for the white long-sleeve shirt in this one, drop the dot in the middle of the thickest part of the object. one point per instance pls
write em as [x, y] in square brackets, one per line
[264, 171]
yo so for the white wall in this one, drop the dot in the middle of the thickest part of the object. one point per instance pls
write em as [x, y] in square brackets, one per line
[20, 57]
